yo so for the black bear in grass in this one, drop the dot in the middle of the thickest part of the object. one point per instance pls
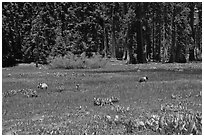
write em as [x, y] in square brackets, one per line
[143, 79]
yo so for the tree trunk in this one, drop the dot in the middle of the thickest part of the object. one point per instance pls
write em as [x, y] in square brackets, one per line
[124, 53]
[197, 35]
[37, 55]
[163, 44]
[164, 36]
[187, 55]
[146, 37]
[200, 29]
[148, 41]
[140, 44]
[105, 41]
[113, 48]
[153, 42]
[191, 51]
[130, 58]
[173, 46]
[125, 47]
[130, 32]
[158, 47]
[125, 34]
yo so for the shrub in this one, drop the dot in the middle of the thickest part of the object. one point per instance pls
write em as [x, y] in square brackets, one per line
[72, 61]
[59, 62]
[95, 62]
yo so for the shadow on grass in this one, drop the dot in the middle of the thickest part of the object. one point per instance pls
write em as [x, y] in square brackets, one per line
[185, 71]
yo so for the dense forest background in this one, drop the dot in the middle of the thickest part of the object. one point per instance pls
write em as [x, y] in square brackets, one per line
[136, 32]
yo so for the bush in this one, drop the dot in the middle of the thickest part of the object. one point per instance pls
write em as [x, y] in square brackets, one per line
[95, 62]
[72, 61]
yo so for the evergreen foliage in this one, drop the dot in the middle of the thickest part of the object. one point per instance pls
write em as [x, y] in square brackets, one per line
[136, 32]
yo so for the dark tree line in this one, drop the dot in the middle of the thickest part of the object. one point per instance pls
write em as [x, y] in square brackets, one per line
[135, 32]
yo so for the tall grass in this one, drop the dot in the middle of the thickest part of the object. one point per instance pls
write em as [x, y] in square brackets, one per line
[72, 61]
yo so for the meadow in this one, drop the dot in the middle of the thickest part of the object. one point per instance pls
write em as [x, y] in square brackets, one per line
[170, 102]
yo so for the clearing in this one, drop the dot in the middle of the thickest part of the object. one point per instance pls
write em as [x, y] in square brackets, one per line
[65, 109]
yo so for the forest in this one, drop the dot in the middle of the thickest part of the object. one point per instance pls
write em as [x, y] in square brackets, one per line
[137, 32]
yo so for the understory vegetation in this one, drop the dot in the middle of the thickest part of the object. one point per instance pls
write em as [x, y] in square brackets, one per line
[72, 61]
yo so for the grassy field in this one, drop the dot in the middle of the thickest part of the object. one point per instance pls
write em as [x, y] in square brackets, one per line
[64, 109]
